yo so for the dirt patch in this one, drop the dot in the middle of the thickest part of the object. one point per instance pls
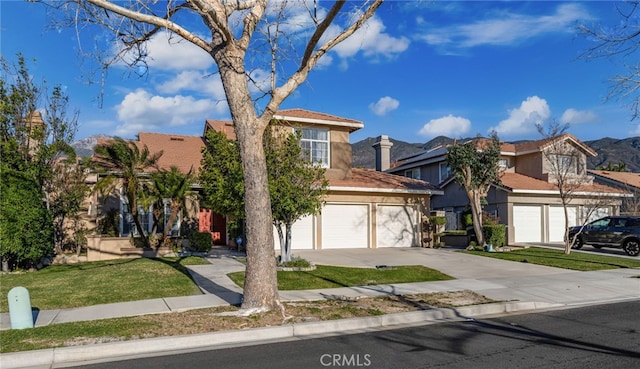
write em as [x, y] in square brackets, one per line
[222, 319]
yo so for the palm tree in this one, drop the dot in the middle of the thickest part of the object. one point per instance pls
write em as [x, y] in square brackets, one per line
[175, 185]
[124, 160]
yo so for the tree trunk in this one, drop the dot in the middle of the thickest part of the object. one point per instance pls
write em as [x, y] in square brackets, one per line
[476, 213]
[261, 283]
[567, 241]
[287, 242]
[282, 244]
[260, 286]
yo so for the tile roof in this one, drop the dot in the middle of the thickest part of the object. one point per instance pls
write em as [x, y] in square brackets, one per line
[224, 126]
[516, 182]
[370, 179]
[546, 142]
[625, 178]
[177, 150]
[308, 114]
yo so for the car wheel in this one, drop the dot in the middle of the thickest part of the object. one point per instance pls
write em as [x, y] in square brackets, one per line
[578, 244]
[632, 247]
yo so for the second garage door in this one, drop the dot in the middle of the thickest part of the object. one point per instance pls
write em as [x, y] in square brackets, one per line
[527, 223]
[345, 226]
[557, 224]
[396, 226]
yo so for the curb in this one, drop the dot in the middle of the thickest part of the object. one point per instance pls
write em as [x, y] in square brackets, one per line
[79, 355]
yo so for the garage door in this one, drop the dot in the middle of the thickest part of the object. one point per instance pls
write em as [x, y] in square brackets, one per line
[302, 234]
[556, 221]
[527, 223]
[595, 214]
[345, 226]
[396, 226]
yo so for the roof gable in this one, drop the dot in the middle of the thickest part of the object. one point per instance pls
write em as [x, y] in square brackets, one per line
[184, 152]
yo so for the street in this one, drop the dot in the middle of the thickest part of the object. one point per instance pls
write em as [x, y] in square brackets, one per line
[602, 336]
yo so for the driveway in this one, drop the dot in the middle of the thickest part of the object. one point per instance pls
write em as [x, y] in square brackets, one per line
[608, 251]
[447, 260]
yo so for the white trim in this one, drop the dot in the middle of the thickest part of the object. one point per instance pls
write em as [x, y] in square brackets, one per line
[385, 190]
[555, 192]
[319, 121]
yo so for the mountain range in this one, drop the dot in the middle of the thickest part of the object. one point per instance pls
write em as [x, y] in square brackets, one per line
[610, 150]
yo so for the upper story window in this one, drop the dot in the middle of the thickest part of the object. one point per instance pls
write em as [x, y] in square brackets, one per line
[503, 163]
[315, 145]
[412, 173]
[445, 171]
[564, 164]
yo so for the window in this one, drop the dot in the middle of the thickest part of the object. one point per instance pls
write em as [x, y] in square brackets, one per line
[564, 164]
[445, 171]
[503, 163]
[412, 173]
[315, 145]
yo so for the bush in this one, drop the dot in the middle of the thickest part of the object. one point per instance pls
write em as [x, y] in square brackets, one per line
[200, 241]
[296, 262]
[495, 234]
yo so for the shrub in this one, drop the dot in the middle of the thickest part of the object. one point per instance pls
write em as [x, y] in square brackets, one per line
[495, 234]
[109, 224]
[200, 241]
[296, 262]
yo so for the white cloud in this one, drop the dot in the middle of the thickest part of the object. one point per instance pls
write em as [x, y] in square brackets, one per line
[384, 105]
[167, 51]
[507, 28]
[573, 116]
[446, 126]
[523, 120]
[142, 111]
[190, 80]
[371, 40]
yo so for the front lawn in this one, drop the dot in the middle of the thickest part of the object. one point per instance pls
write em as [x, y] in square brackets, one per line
[325, 276]
[556, 258]
[103, 282]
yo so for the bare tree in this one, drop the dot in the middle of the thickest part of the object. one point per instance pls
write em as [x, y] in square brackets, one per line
[620, 41]
[566, 167]
[241, 35]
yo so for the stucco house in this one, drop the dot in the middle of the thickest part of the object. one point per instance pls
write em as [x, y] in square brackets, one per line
[626, 181]
[363, 208]
[527, 200]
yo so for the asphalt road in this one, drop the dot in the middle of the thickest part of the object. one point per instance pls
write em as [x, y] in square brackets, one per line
[603, 336]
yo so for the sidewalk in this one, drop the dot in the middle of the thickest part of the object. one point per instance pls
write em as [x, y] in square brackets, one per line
[525, 286]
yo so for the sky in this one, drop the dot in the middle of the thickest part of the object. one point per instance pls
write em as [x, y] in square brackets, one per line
[416, 71]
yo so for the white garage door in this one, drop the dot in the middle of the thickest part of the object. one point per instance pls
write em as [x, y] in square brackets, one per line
[556, 221]
[527, 223]
[595, 214]
[345, 226]
[302, 234]
[396, 226]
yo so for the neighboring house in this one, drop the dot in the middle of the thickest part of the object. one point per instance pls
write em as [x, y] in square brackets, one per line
[626, 181]
[527, 200]
[363, 208]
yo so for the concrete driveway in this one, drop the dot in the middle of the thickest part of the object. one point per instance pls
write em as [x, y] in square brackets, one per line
[447, 260]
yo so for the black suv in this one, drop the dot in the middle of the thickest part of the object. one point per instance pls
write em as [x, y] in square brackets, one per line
[612, 231]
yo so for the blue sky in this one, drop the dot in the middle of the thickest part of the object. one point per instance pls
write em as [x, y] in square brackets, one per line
[418, 70]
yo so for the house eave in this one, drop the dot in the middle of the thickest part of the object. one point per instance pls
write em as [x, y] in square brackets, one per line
[385, 190]
[353, 125]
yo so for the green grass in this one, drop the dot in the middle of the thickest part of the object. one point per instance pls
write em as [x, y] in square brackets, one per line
[332, 276]
[556, 258]
[103, 282]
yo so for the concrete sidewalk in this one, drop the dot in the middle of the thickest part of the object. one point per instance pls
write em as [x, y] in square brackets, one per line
[524, 286]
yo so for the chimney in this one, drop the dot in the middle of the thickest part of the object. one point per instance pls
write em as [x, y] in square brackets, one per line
[383, 152]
